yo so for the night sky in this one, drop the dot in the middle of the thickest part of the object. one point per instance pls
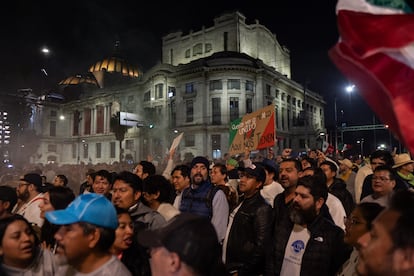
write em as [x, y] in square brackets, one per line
[79, 33]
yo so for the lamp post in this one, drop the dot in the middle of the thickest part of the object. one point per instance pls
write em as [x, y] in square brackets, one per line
[361, 144]
[349, 89]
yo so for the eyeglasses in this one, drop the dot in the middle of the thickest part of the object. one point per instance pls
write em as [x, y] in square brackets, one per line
[380, 178]
[351, 221]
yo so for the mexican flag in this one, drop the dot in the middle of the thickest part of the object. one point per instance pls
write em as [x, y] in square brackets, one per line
[376, 52]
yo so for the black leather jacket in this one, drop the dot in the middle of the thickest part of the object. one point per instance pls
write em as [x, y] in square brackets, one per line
[249, 237]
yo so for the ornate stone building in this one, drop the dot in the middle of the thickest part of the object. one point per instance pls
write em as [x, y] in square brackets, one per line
[206, 79]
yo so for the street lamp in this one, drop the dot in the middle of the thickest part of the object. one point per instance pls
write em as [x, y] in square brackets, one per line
[361, 143]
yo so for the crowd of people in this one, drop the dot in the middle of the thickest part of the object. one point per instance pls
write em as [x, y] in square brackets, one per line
[240, 215]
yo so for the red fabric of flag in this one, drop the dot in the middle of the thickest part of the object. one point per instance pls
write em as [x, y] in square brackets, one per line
[387, 84]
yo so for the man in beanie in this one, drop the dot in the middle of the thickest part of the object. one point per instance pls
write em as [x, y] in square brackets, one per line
[204, 199]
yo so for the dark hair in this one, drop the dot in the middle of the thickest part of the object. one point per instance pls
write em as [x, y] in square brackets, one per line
[311, 161]
[386, 169]
[297, 163]
[60, 198]
[184, 169]
[147, 167]
[369, 211]
[158, 183]
[63, 178]
[131, 179]
[316, 184]
[223, 170]
[383, 155]
[402, 235]
[107, 235]
[105, 174]
[5, 222]
[8, 193]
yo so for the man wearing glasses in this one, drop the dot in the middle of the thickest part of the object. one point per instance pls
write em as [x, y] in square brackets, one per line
[383, 183]
[29, 192]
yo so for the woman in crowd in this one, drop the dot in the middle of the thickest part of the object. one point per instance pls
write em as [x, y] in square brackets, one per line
[126, 247]
[20, 251]
[357, 224]
[55, 198]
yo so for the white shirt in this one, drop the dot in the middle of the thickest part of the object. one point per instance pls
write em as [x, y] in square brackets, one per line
[31, 210]
[269, 192]
[167, 211]
[336, 209]
[295, 248]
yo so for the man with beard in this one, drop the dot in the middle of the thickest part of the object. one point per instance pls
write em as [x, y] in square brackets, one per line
[29, 193]
[204, 199]
[305, 242]
[289, 173]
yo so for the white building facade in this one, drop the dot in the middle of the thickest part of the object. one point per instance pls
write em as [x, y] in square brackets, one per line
[206, 79]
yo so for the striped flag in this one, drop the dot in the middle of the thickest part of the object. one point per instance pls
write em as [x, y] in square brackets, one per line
[376, 52]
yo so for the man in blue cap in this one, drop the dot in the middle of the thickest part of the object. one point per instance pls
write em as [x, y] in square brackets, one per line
[87, 232]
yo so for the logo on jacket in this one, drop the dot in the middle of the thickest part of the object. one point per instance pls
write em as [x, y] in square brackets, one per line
[298, 246]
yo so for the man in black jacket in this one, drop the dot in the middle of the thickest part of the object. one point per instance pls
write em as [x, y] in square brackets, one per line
[305, 243]
[248, 230]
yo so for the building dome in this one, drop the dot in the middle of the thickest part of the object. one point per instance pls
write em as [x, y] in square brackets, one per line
[115, 64]
[79, 79]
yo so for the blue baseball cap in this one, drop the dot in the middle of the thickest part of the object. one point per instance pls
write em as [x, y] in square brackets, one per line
[92, 208]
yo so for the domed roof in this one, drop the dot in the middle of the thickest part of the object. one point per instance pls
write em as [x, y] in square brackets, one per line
[115, 64]
[78, 79]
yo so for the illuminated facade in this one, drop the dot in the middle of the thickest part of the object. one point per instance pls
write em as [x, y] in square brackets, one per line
[207, 79]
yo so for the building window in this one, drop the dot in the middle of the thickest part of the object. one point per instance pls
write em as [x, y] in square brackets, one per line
[112, 149]
[198, 49]
[294, 101]
[129, 144]
[234, 108]
[189, 111]
[87, 125]
[233, 84]
[76, 123]
[53, 113]
[173, 114]
[189, 88]
[85, 150]
[52, 129]
[283, 96]
[98, 150]
[100, 117]
[268, 91]
[189, 140]
[288, 99]
[74, 151]
[187, 53]
[216, 104]
[277, 93]
[147, 96]
[249, 105]
[171, 91]
[159, 91]
[52, 148]
[208, 47]
[216, 85]
[249, 86]
[216, 145]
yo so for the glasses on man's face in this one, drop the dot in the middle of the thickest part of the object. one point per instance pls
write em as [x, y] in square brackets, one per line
[351, 221]
[380, 178]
